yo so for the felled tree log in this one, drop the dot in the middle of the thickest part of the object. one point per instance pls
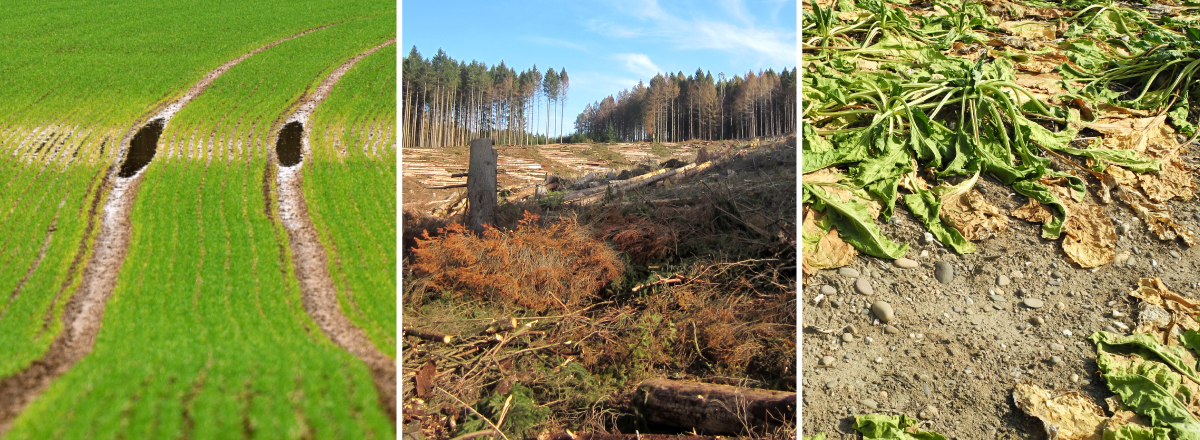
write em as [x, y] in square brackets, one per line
[600, 436]
[636, 182]
[713, 409]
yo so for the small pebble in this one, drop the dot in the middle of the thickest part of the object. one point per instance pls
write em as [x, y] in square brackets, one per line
[883, 311]
[1055, 360]
[879, 360]
[828, 290]
[1124, 229]
[827, 360]
[847, 338]
[1067, 332]
[1121, 325]
[957, 309]
[883, 394]
[1054, 282]
[868, 340]
[1002, 281]
[1109, 328]
[1039, 321]
[1131, 262]
[905, 263]
[1033, 303]
[1074, 377]
[1117, 314]
[1057, 346]
[848, 272]
[869, 403]
[970, 301]
[1061, 306]
[863, 286]
[998, 298]
[891, 330]
[829, 385]
[1175, 254]
[929, 413]
[835, 303]
[943, 272]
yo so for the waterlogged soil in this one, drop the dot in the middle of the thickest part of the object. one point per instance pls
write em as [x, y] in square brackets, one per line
[959, 347]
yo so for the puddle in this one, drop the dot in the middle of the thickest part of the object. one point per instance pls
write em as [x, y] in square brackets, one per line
[142, 148]
[288, 145]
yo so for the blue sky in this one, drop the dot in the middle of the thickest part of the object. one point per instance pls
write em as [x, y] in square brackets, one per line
[606, 46]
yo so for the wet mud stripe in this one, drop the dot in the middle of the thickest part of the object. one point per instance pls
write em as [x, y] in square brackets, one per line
[308, 255]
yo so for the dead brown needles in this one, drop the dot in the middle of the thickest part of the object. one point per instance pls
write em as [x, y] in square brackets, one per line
[535, 266]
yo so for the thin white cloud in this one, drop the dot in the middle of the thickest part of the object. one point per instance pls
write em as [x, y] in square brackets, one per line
[638, 64]
[557, 42]
[737, 33]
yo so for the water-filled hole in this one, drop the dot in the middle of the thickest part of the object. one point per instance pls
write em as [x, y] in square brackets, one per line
[288, 145]
[142, 148]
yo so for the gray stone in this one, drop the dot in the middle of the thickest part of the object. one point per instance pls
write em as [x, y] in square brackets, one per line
[998, 298]
[883, 311]
[1109, 328]
[835, 303]
[1124, 229]
[848, 272]
[1175, 254]
[970, 301]
[997, 307]
[1056, 274]
[943, 272]
[1002, 281]
[869, 404]
[828, 290]
[1056, 360]
[827, 360]
[891, 330]
[829, 385]
[1054, 282]
[905, 263]
[958, 309]
[1039, 320]
[975, 321]
[863, 286]
[1033, 303]
[1056, 346]
[847, 338]
[1132, 261]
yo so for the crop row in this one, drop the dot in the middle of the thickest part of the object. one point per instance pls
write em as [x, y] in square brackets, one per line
[206, 336]
[350, 186]
[247, 101]
[106, 64]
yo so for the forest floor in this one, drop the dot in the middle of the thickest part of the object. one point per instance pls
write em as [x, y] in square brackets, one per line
[705, 292]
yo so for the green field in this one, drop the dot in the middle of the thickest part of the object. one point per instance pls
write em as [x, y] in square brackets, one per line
[205, 335]
[350, 185]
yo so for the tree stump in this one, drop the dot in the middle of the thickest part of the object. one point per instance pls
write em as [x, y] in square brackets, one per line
[714, 409]
[481, 185]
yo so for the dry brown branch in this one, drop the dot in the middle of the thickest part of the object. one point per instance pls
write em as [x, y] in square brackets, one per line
[429, 335]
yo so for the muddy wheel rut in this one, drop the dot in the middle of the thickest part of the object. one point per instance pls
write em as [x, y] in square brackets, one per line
[83, 312]
[316, 284]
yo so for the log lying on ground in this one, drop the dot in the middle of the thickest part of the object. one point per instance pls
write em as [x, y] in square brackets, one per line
[620, 186]
[714, 409]
[601, 436]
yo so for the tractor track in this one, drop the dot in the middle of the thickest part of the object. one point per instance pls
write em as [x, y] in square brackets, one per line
[308, 255]
[84, 310]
